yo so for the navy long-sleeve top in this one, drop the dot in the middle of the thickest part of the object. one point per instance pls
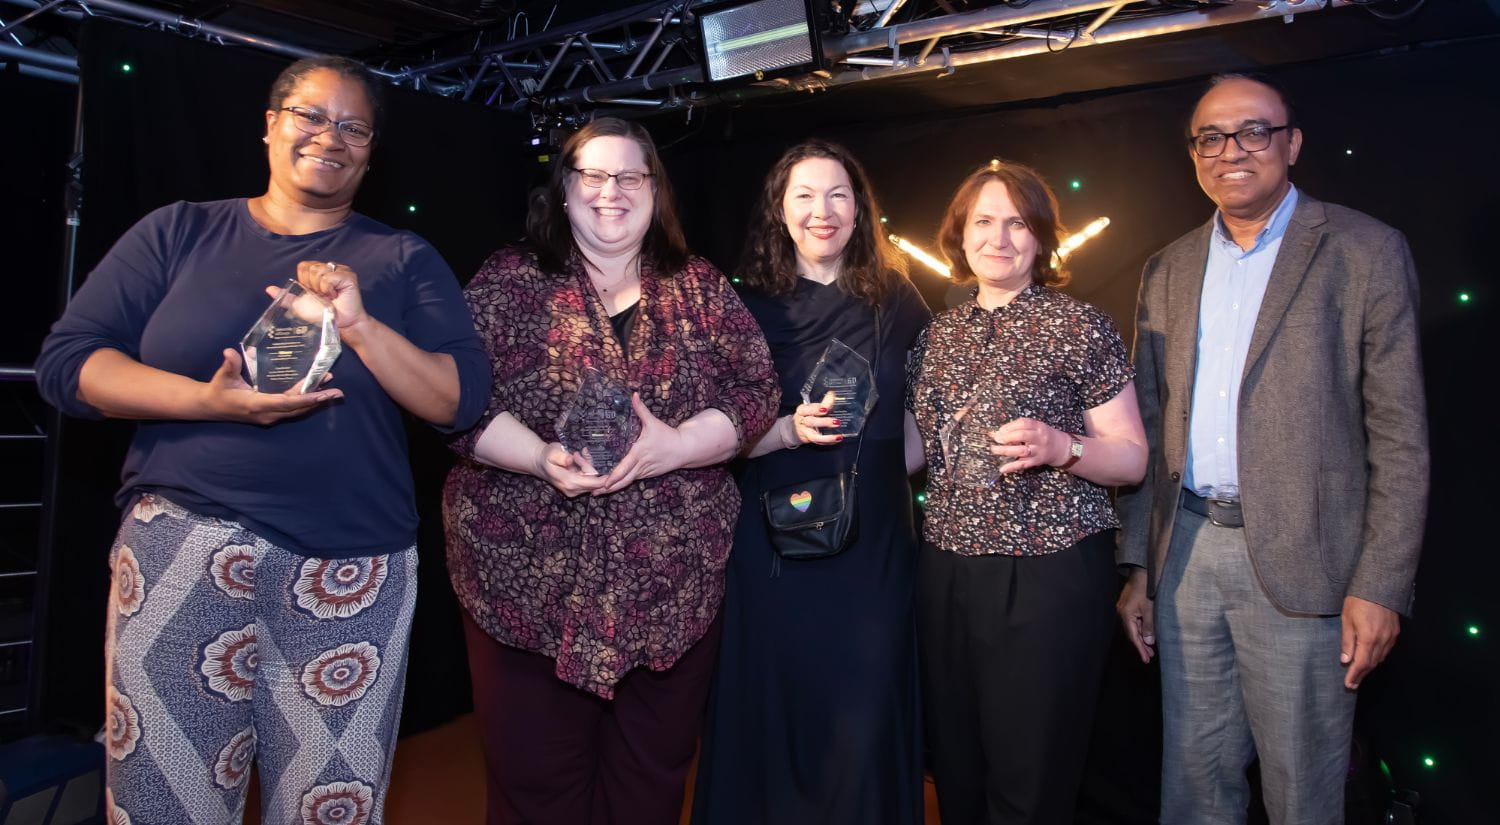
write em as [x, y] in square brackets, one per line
[185, 283]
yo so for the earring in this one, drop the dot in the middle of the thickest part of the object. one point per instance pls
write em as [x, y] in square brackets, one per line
[266, 141]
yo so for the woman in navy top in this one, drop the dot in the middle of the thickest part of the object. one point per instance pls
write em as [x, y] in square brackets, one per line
[264, 574]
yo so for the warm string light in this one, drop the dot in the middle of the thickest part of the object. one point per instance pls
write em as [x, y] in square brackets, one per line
[922, 255]
[1077, 239]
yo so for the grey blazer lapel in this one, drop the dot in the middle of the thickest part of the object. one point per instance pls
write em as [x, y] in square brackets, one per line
[1184, 293]
[1304, 234]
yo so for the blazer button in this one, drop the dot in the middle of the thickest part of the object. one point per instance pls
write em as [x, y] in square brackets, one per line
[1177, 476]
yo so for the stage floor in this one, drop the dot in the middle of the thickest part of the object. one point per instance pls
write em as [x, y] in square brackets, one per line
[439, 777]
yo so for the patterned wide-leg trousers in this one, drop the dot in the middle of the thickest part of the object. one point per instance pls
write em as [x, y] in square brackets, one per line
[224, 650]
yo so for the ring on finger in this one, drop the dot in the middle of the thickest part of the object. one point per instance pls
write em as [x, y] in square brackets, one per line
[332, 266]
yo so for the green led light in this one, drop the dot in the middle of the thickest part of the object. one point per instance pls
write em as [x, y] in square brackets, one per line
[126, 68]
[921, 498]
[411, 207]
[884, 219]
[1075, 184]
[735, 280]
[1429, 762]
[1464, 297]
[1349, 152]
[1473, 630]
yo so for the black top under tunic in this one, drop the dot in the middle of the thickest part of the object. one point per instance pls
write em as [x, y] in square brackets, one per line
[813, 715]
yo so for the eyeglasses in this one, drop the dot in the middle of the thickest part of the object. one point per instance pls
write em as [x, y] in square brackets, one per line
[596, 178]
[1250, 139]
[353, 132]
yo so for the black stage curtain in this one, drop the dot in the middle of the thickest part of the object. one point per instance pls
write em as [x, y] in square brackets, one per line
[185, 123]
[1392, 134]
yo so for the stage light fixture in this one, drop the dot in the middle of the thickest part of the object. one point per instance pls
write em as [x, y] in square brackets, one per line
[758, 39]
[922, 255]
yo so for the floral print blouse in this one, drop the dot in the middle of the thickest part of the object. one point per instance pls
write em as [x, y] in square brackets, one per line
[603, 584]
[1044, 356]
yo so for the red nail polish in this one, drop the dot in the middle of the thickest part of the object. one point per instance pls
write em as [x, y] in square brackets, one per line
[835, 422]
[822, 410]
[838, 437]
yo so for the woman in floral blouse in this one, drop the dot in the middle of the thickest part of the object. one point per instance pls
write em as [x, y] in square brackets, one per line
[1024, 400]
[592, 599]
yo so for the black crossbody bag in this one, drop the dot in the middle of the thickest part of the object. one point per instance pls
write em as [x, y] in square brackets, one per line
[818, 518]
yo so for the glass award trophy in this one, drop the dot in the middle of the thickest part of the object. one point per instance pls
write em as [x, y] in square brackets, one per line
[846, 374]
[966, 442]
[292, 344]
[599, 424]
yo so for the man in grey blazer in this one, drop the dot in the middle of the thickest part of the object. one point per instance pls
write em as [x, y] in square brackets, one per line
[1273, 544]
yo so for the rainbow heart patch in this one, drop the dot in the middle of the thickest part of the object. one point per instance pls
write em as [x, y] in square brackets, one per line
[801, 501]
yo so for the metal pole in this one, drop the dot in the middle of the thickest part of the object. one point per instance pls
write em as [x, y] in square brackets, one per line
[1104, 18]
[11, 26]
[199, 27]
[990, 18]
[1115, 32]
[890, 11]
[650, 41]
[628, 88]
[539, 39]
[52, 450]
[37, 57]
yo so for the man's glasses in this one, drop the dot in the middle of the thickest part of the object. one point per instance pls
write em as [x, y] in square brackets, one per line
[596, 178]
[1250, 139]
[353, 132]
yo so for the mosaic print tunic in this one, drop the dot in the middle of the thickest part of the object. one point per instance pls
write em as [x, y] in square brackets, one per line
[607, 584]
[1044, 356]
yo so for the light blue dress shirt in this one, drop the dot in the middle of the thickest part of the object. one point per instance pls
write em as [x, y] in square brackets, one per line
[1233, 284]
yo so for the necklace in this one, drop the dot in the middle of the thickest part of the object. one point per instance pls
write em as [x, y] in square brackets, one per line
[624, 279]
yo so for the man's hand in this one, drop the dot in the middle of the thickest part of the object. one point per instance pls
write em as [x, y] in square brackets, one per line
[1139, 614]
[1370, 631]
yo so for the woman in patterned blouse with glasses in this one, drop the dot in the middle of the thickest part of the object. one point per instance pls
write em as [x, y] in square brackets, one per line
[1024, 400]
[592, 599]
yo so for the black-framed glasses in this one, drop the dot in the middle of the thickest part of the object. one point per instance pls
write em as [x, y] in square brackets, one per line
[1250, 139]
[353, 132]
[596, 178]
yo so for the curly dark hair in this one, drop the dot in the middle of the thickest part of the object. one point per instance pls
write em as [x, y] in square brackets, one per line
[352, 69]
[551, 235]
[870, 267]
[1033, 199]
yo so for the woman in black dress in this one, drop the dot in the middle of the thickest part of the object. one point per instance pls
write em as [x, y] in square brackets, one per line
[813, 714]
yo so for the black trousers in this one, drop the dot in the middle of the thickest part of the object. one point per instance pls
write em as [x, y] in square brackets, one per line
[1013, 649]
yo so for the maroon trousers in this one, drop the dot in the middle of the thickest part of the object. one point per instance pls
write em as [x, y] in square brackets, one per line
[556, 755]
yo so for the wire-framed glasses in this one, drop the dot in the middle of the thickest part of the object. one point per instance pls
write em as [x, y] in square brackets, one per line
[308, 121]
[596, 178]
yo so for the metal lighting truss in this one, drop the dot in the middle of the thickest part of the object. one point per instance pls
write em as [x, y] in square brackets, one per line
[653, 58]
[647, 56]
